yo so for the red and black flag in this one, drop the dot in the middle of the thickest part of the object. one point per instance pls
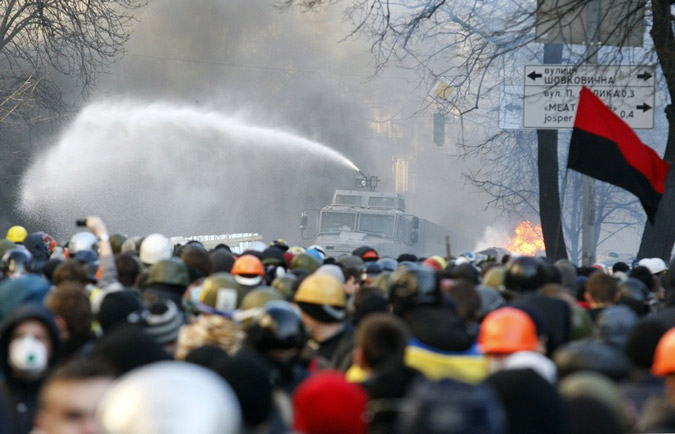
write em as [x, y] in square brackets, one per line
[604, 147]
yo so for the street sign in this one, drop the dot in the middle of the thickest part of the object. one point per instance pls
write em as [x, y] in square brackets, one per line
[551, 93]
[621, 23]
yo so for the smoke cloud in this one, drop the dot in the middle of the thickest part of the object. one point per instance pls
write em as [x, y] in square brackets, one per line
[157, 149]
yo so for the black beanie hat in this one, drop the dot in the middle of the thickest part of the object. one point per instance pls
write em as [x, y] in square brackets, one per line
[116, 307]
[250, 380]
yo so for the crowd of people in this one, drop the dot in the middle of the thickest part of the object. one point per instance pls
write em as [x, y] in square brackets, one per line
[115, 335]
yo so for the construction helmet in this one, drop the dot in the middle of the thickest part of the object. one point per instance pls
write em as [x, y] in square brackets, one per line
[277, 327]
[507, 330]
[280, 243]
[296, 250]
[273, 256]
[248, 270]
[116, 241]
[170, 271]
[5, 246]
[306, 262]
[16, 262]
[525, 274]
[17, 234]
[435, 262]
[146, 399]
[664, 356]
[388, 264]
[494, 278]
[154, 248]
[83, 241]
[221, 292]
[366, 253]
[411, 286]
[285, 284]
[318, 248]
[321, 289]
[259, 296]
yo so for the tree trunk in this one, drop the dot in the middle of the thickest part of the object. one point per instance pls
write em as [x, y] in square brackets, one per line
[658, 239]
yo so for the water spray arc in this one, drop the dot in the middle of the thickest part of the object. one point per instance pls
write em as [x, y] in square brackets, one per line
[175, 169]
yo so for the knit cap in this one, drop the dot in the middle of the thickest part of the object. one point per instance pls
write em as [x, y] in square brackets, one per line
[327, 404]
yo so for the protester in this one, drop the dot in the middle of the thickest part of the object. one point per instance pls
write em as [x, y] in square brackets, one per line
[29, 347]
[355, 343]
[70, 396]
[380, 353]
[321, 299]
[327, 404]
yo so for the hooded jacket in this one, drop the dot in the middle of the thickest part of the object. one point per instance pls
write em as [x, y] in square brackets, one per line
[37, 247]
[20, 395]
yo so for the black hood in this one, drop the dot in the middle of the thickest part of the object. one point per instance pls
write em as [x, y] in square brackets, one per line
[20, 314]
[36, 246]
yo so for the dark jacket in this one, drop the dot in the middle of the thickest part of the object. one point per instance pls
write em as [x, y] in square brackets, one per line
[336, 351]
[387, 387]
[20, 395]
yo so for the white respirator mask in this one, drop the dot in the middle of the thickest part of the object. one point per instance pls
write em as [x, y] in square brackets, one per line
[28, 356]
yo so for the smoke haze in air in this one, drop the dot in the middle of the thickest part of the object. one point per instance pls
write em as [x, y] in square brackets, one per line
[282, 71]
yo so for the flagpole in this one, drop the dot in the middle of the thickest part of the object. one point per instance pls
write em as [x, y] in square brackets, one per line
[588, 246]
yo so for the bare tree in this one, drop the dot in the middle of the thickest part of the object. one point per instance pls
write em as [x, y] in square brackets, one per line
[46, 47]
[471, 43]
[78, 39]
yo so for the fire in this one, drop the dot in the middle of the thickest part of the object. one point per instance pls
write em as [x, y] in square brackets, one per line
[528, 239]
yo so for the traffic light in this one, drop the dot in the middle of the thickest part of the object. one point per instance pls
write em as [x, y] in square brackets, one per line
[439, 129]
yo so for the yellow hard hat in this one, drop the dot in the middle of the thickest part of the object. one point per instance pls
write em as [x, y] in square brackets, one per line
[17, 234]
[321, 289]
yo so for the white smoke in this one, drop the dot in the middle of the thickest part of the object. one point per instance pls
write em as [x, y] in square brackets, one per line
[493, 236]
[178, 170]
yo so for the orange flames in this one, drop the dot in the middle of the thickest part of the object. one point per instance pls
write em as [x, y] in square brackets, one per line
[528, 240]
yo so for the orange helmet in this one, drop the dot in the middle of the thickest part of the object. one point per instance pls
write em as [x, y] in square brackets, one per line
[664, 356]
[507, 330]
[248, 270]
[436, 262]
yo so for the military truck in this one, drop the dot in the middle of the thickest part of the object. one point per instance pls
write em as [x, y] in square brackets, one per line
[356, 218]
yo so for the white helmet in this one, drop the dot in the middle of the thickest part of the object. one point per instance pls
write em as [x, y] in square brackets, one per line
[83, 241]
[170, 398]
[154, 248]
[319, 249]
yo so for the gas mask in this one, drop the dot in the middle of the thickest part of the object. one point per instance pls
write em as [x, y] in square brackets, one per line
[28, 356]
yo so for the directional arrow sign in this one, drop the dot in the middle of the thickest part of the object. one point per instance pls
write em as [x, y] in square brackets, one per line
[645, 76]
[551, 93]
[534, 75]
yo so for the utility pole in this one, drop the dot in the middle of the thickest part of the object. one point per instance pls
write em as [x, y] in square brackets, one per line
[588, 246]
[549, 191]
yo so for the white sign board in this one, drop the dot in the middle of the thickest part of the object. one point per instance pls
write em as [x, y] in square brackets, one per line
[551, 93]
